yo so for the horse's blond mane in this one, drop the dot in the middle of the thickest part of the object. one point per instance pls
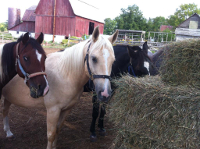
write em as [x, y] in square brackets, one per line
[72, 59]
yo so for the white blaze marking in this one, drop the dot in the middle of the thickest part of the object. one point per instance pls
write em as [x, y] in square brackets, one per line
[146, 65]
[106, 55]
[39, 56]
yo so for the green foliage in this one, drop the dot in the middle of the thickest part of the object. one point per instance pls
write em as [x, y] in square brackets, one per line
[74, 37]
[131, 19]
[181, 14]
[155, 23]
[86, 36]
[64, 41]
[3, 26]
[110, 26]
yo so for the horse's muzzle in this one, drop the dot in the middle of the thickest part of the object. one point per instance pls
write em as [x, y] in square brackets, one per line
[104, 95]
[38, 91]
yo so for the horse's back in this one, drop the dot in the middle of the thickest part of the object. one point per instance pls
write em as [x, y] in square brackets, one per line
[16, 92]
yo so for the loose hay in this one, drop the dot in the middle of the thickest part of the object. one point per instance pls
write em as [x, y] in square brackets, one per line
[150, 114]
[181, 63]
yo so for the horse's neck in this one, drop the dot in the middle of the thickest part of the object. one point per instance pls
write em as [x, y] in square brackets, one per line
[63, 74]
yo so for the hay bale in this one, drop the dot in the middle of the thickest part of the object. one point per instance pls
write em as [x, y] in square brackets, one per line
[181, 63]
[150, 114]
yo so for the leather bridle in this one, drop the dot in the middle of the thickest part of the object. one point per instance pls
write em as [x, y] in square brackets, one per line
[17, 61]
[91, 75]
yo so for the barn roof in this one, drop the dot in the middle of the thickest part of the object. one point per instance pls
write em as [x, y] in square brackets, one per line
[86, 10]
[29, 14]
[194, 15]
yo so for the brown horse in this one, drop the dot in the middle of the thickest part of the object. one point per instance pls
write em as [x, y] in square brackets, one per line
[67, 72]
[26, 58]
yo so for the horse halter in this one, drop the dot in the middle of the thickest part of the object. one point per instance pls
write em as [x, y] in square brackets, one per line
[93, 76]
[26, 75]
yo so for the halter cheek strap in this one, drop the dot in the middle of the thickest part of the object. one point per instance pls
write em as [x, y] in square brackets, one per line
[26, 75]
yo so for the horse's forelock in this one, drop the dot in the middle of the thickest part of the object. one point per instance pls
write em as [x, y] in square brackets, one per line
[102, 42]
[34, 43]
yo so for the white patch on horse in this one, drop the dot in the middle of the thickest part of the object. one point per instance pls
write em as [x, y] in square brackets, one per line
[47, 86]
[106, 55]
[39, 56]
[146, 65]
[7, 127]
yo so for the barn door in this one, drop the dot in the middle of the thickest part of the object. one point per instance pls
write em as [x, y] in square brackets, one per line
[91, 28]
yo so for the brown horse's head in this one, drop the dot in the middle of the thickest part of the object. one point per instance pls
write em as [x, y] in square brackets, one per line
[99, 64]
[30, 64]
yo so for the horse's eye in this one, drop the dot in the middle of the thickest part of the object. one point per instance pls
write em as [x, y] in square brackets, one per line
[94, 59]
[25, 58]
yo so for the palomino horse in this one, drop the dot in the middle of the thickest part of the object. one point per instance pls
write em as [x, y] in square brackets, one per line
[129, 59]
[67, 71]
[26, 58]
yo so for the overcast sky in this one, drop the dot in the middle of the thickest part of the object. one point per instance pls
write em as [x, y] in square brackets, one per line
[109, 8]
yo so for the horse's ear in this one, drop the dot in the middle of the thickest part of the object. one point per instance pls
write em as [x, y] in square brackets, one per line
[95, 34]
[145, 47]
[25, 38]
[113, 37]
[40, 38]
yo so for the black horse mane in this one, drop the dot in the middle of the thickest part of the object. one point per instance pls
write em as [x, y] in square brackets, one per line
[8, 60]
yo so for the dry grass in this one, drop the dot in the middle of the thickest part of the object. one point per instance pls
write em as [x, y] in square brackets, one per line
[150, 114]
[181, 63]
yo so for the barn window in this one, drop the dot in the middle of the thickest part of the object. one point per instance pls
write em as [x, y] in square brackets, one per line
[66, 37]
[17, 32]
[193, 25]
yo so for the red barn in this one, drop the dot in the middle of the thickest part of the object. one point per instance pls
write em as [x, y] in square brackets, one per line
[62, 18]
[14, 21]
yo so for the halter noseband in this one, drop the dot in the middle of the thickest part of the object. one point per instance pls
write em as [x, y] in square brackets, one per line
[26, 75]
[91, 75]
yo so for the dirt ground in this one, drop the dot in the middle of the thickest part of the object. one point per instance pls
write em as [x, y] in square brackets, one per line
[29, 128]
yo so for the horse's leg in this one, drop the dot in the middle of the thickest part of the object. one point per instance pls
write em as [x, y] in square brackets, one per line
[6, 106]
[95, 114]
[61, 120]
[53, 115]
[102, 131]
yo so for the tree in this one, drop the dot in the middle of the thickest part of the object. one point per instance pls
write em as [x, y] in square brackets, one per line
[110, 26]
[181, 14]
[3, 26]
[131, 19]
[155, 23]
